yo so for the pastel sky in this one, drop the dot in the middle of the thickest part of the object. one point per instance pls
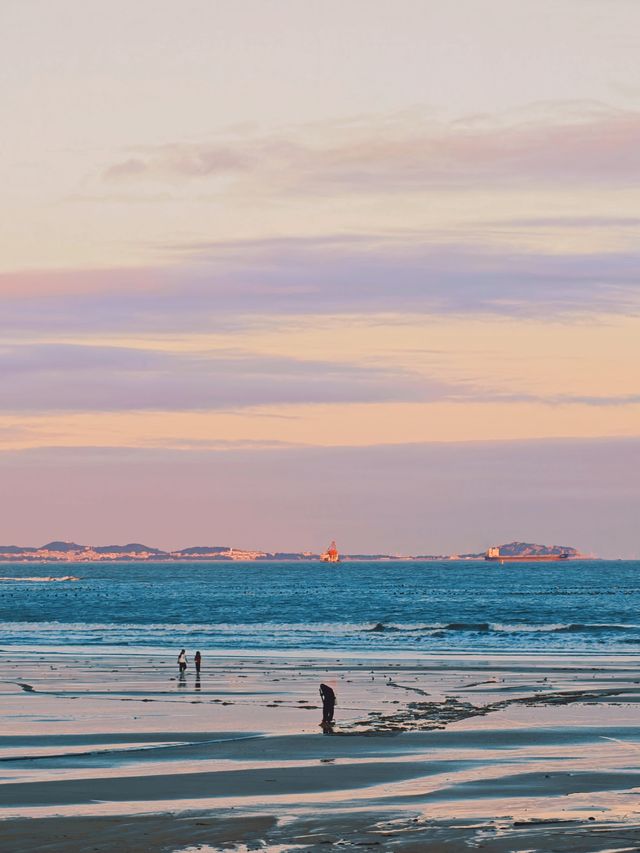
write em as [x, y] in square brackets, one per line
[274, 272]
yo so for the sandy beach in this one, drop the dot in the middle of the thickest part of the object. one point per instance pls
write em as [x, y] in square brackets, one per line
[112, 751]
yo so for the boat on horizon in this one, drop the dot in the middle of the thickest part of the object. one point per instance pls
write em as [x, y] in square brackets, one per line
[494, 555]
[331, 555]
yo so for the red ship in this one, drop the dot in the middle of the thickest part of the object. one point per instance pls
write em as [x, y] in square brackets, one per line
[331, 555]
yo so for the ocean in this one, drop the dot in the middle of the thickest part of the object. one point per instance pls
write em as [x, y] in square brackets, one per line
[409, 607]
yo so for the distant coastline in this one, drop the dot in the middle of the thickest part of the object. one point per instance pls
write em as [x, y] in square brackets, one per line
[60, 551]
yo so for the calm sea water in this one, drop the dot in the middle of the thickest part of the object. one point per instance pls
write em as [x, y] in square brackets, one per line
[372, 607]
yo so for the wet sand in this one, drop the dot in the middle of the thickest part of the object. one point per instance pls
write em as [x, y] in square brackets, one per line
[113, 752]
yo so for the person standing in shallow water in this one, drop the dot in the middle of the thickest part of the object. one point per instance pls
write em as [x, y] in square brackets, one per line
[197, 659]
[182, 661]
[328, 704]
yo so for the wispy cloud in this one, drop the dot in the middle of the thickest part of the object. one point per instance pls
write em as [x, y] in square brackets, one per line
[596, 400]
[38, 378]
[564, 143]
[559, 222]
[222, 285]
[187, 161]
[58, 377]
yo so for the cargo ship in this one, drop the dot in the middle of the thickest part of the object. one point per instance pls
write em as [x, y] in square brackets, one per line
[331, 555]
[494, 555]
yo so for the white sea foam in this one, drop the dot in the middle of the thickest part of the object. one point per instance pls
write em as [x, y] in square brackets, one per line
[48, 579]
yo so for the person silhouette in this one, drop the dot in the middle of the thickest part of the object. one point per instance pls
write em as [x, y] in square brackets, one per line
[197, 659]
[328, 697]
[182, 661]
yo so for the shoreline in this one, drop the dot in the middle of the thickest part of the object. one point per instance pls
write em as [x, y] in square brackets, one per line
[328, 654]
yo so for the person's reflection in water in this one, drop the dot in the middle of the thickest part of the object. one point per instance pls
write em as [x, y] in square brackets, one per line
[182, 679]
[197, 682]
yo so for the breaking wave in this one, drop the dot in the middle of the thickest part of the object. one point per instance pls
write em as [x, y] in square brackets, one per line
[486, 627]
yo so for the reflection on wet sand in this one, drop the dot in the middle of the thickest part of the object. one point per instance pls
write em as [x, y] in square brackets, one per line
[511, 753]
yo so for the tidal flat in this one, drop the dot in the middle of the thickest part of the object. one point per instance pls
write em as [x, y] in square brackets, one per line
[112, 750]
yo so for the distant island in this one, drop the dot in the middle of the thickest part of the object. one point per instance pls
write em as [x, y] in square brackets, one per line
[134, 551]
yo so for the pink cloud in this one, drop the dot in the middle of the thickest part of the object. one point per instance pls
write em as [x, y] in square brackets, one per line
[184, 160]
[31, 284]
[574, 144]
